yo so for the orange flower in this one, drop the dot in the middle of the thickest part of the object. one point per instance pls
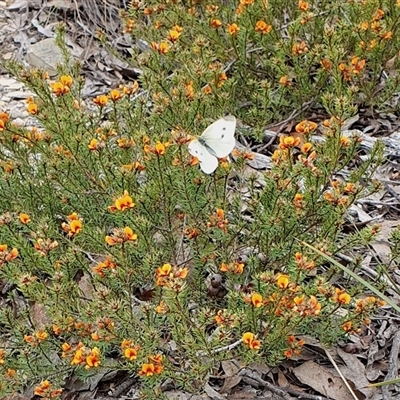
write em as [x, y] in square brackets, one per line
[282, 281]
[341, 297]
[217, 220]
[93, 359]
[24, 218]
[303, 5]
[299, 48]
[285, 81]
[303, 263]
[257, 300]
[119, 236]
[101, 100]
[124, 143]
[298, 200]
[249, 339]
[255, 345]
[95, 144]
[344, 141]
[41, 335]
[233, 29]
[189, 90]
[45, 246]
[378, 15]
[286, 142]
[162, 48]
[347, 326]
[174, 34]
[130, 88]
[115, 95]
[326, 64]
[191, 233]
[170, 276]
[40, 390]
[221, 79]
[66, 80]
[123, 203]
[147, 370]
[215, 23]
[130, 353]
[162, 308]
[306, 147]
[32, 108]
[263, 27]
[74, 226]
[4, 116]
[59, 89]
[306, 127]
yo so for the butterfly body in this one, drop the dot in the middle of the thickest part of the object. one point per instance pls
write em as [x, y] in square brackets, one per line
[216, 141]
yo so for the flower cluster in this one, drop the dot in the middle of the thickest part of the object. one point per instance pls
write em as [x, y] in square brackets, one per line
[122, 203]
[120, 236]
[249, 339]
[46, 390]
[7, 255]
[73, 226]
[153, 367]
[218, 220]
[81, 355]
[62, 86]
[171, 276]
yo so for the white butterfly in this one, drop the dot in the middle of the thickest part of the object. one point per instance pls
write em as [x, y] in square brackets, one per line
[216, 141]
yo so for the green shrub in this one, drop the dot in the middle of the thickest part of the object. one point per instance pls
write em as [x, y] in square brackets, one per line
[130, 257]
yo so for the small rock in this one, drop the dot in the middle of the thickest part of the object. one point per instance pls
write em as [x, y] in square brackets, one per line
[19, 95]
[45, 54]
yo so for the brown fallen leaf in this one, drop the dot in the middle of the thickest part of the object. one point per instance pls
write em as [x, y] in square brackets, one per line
[322, 381]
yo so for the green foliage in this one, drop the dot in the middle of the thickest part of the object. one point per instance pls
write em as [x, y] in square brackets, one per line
[130, 257]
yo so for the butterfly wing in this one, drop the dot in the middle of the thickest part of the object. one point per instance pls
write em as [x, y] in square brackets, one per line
[219, 137]
[208, 163]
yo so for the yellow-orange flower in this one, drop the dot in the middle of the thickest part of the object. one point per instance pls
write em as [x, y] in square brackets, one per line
[74, 226]
[40, 390]
[24, 218]
[247, 337]
[256, 300]
[101, 100]
[285, 81]
[341, 296]
[174, 34]
[41, 335]
[115, 95]
[215, 23]
[130, 353]
[282, 281]
[93, 359]
[263, 27]
[306, 127]
[66, 80]
[59, 89]
[4, 117]
[286, 142]
[233, 29]
[32, 108]
[123, 203]
[303, 5]
[250, 340]
[147, 370]
[221, 79]
[120, 236]
[299, 48]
